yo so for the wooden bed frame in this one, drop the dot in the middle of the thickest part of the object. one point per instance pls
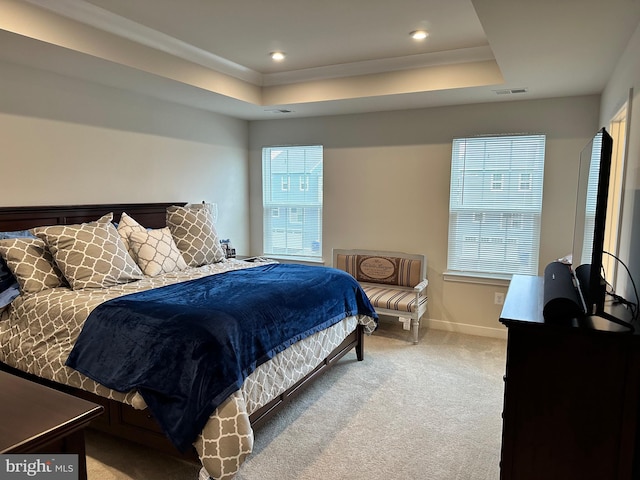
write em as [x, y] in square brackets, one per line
[120, 419]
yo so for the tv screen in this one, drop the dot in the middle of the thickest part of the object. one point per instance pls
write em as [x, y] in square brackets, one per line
[591, 211]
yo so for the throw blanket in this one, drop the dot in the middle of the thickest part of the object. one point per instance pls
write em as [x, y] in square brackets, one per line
[186, 347]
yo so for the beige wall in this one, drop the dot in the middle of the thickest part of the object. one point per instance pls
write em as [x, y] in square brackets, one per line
[66, 141]
[386, 185]
[626, 78]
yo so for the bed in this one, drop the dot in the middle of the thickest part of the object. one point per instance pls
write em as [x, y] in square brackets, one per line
[43, 329]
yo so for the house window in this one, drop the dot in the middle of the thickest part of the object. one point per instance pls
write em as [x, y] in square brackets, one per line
[497, 182]
[524, 184]
[512, 221]
[294, 215]
[494, 218]
[298, 233]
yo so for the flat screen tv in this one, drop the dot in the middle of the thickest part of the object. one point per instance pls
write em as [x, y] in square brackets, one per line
[590, 224]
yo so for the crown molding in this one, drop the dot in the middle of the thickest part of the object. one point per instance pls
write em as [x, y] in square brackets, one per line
[102, 19]
[372, 67]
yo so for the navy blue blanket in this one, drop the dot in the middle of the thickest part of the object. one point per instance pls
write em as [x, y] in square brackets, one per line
[186, 347]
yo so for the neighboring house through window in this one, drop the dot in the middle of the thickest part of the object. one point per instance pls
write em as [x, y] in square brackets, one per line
[292, 217]
[495, 205]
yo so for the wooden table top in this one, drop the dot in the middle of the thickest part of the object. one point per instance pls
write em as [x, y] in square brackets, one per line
[32, 415]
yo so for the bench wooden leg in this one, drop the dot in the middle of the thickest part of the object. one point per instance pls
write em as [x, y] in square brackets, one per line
[416, 329]
[409, 323]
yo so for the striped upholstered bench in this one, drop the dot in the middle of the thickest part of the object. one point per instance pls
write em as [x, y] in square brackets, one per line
[395, 282]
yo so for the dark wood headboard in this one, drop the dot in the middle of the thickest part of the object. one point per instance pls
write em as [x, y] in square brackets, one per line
[152, 215]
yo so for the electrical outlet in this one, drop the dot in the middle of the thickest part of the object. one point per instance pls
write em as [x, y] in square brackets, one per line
[498, 298]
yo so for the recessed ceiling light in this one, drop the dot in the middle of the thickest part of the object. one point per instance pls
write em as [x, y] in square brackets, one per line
[419, 34]
[277, 56]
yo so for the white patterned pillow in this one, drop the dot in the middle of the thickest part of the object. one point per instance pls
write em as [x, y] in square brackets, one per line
[156, 252]
[196, 237]
[126, 226]
[90, 255]
[32, 264]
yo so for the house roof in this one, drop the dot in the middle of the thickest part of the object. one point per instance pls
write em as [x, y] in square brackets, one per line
[342, 56]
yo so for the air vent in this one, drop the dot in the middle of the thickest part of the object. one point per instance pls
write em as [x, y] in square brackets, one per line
[279, 110]
[510, 91]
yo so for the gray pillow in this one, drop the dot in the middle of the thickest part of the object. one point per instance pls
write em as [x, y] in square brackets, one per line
[31, 264]
[195, 236]
[90, 255]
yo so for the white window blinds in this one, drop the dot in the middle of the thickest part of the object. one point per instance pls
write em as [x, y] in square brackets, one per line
[292, 201]
[495, 204]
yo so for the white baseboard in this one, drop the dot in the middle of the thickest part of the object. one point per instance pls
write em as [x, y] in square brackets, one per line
[500, 332]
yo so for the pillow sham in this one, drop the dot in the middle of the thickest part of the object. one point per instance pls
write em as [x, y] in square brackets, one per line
[31, 264]
[90, 255]
[156, 252]
[126, 226]
[195, 236]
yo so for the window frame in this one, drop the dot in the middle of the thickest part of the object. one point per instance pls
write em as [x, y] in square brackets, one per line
[497, 182]
[296, 233]
[498, 215]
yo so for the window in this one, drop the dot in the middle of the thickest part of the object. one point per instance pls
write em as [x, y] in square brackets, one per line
[525, 182]
[304, 183]
[294, 215]
[299, 232]
[495, 205]
[512, 220]
[497, 183]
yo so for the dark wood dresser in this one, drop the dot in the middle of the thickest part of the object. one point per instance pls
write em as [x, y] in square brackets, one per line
[571, 394]
[39, 419]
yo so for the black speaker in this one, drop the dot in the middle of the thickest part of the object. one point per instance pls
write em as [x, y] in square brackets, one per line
[562, 302]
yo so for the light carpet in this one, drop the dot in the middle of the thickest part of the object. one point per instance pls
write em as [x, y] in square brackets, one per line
[430, 411]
